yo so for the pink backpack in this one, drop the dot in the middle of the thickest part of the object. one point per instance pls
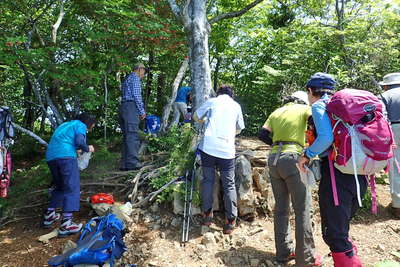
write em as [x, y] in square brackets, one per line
[363, 139]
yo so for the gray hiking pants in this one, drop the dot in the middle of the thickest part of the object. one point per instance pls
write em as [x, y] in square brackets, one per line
[394, 175]
[129, 123]
[180, 108]
[286, 185]
[227, 172]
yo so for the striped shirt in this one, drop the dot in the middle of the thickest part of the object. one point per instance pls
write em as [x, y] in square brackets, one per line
[132, 91]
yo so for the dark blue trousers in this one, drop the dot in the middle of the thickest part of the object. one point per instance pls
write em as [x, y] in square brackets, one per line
[335, 220]
[66, 180]
[227, 171]
[129, 122]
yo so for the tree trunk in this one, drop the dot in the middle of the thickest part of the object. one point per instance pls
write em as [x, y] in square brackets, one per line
[198, 34]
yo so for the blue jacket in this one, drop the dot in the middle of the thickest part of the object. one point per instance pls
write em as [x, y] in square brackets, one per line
[324, 129]
[67, 138]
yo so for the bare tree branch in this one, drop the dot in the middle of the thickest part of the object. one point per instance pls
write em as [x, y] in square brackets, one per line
[30, 133]
[236, 13]
[175, 9]
[58, 22]
[177, 81]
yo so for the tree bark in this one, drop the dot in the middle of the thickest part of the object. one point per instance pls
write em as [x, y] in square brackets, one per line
[197, 35]
[175, 85]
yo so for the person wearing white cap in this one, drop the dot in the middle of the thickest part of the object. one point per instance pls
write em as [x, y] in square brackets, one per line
[391, 99]
[285, 131]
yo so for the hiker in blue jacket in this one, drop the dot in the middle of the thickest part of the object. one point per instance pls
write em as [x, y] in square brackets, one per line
[181, 103]
[335, 220]
[61, 157]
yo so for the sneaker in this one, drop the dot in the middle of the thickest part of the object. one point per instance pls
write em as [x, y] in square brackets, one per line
[229, 226]
[68, 227]
[207, 218]
[49, 218]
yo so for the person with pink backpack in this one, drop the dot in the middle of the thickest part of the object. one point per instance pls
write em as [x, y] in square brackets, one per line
[335, 216]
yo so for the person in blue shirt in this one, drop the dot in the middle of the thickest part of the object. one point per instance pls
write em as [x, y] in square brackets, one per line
[61, 157]
[181, 103]
[335, 220]
[131, 112]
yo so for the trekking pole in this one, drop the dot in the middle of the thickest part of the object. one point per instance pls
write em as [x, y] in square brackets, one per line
[184, 210]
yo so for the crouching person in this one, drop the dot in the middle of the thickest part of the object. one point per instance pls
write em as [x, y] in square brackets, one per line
[61, 157]
[223, 120]
[285, 130]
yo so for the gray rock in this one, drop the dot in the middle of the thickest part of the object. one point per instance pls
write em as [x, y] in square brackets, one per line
[236, 260]
[208, 239]
[204, 229]
[254, 262]
[244, 186]
[269, 263]
[175, 222]
[154, 208]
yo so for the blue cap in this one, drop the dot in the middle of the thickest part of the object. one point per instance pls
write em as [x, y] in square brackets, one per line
[321, 80]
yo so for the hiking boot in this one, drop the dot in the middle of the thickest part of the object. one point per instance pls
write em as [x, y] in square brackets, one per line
[207, 218]
[229, 226]
[68, 227]
[49, 218]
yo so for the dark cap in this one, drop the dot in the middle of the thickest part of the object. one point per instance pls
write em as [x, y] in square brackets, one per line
[321, 81]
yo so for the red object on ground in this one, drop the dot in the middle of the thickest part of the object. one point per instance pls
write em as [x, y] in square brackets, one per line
[102, 198]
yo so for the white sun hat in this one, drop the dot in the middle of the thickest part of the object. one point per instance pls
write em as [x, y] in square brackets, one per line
[390, 79]
[301, 95]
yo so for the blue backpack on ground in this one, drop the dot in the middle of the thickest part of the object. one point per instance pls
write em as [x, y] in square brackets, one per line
[101, 241]
[152, 124]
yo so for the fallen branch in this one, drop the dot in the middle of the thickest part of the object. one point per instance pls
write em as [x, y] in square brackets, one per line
[150, 197]
[30, 133]
[135, 181]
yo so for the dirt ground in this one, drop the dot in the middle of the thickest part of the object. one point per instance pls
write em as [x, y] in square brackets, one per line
[154, 239]
[252, 244]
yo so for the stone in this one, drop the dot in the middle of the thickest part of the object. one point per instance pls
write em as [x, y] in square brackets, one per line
[175, 222]
[254, 262]
[208, 239]
[236, 260]
[244, 186]
[162, 235]
[240, 242]
[178, 205]
[201, 249]
[68, 246]
[204, 229]
[269, 263]
[154, 208]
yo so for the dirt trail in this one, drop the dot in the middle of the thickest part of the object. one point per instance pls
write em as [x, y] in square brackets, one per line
[154, 240]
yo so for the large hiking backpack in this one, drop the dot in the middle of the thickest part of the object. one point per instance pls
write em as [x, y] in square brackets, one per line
[6, 126]
[363, 138]
[101, 241]
[362, 135]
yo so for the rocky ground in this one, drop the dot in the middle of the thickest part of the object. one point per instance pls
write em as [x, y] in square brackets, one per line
[155, 235]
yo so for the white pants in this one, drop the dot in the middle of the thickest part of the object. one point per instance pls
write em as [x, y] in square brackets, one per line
[394, 175]
[179, 108]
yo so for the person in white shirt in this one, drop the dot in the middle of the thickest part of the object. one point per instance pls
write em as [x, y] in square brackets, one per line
[223, 119]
